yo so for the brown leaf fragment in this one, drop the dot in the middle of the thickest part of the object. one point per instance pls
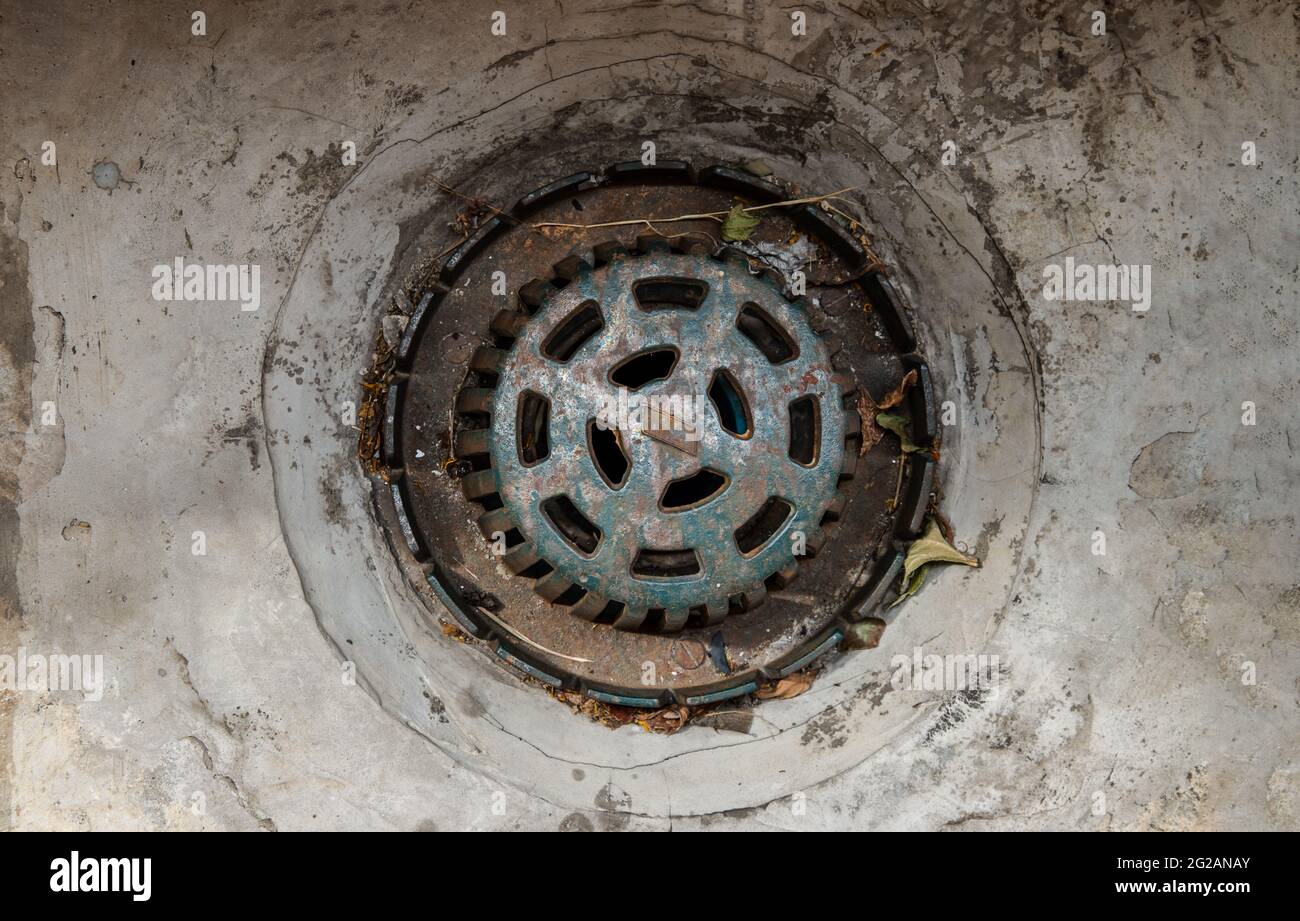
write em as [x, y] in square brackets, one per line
[787, 687]
[871, 433]
[895, 396]
[665, 721]
[865, 634]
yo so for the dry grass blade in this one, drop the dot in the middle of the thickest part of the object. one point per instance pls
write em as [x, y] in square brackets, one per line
[719, 216]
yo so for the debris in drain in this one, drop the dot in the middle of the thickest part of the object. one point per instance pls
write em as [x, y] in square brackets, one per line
[738, 225]
[865, 634]
[895, 396]
[393, 326]
[787, 687]
[718, 653]
[724, 717]
[868, 409]
[374, 389]
[454, 632]
[899, 426]
[485, 600]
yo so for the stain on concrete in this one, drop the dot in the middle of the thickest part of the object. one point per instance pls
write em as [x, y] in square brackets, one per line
[614, 805]
[247, 432]
[576, 821]
[106, 175]
[17, 352]
[323, 173]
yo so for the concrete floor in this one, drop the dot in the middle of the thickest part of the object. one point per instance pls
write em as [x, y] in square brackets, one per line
[1156, 686]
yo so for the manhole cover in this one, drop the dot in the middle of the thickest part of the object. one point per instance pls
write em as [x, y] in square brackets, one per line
[613, 473]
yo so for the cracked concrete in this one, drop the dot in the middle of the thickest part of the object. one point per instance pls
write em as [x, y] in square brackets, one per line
[1154, 686]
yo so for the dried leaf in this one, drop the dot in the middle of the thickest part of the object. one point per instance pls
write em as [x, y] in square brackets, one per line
[871, 433]
[932, 548]
[865, 634]
[912, 587]
[787, 687]
[757, 168]
[898, 425]
[895, 396]
[738, 225]
[665, 721]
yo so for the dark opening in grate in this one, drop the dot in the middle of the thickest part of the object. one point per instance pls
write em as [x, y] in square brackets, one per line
[571, 524]
[642, 368]
[770, 337]
[805, 430]
[605, 446]
[754, 534]
[729, 401]
[665, 564]
[571, 332]
[533, 427]
[669, 293]
[693, 491]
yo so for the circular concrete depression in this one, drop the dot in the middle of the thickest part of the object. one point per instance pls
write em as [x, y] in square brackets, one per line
[386, 234]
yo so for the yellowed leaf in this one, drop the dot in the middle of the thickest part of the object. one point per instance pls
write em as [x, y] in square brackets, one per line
[931, 547]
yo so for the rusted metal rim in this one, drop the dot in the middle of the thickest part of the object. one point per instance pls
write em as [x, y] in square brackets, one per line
[465, 603]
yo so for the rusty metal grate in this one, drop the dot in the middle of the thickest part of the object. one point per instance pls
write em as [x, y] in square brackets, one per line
[686, 398]
[438, 432]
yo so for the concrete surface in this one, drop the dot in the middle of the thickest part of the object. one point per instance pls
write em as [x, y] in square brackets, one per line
[1155, 686]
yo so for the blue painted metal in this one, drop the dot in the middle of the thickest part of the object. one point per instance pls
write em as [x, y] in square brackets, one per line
[630, 517]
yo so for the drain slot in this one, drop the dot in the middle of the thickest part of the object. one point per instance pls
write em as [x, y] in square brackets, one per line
[693, 491]
[729, 401]
[606, 449]
[573, 331]
[669, 293]
[644, 367]
[754, 534]
[756, 325]
[665, 564]
[534, 428]
[571, 524]
[805, 431]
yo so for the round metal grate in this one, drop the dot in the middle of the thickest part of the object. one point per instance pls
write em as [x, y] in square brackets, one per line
[665, 435]
[443, 438]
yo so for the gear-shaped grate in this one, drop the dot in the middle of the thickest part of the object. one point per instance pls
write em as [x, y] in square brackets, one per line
[664, 436]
